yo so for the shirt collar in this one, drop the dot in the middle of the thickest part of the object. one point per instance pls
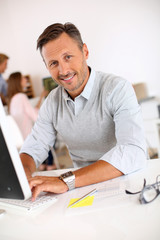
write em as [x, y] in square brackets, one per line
[88, 88]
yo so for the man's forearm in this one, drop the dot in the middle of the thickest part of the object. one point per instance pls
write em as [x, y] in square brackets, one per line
[28, 164]
[94, 173]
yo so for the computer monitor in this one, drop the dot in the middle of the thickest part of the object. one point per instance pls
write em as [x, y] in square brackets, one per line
[13, 181]
[49, 84]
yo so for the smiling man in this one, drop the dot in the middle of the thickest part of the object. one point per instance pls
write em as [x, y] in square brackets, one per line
[66, 63]
[96, 114]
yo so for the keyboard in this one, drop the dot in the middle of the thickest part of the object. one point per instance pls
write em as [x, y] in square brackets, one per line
[42, 200]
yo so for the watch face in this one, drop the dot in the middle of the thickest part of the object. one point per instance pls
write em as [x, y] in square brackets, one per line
[67, 174]
[69, 179]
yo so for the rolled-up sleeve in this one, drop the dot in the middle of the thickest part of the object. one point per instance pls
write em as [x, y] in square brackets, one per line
[130, 153]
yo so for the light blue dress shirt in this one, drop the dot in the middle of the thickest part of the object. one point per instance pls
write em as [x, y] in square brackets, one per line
[3, 86]
[79, 102]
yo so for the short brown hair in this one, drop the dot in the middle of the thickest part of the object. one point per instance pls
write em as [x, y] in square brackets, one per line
[55, 30]
[3, 57]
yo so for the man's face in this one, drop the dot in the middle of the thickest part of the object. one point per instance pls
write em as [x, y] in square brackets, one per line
[67, 63]
[3, 66]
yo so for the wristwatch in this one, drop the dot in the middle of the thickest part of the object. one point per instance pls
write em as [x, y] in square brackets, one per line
[69, 179]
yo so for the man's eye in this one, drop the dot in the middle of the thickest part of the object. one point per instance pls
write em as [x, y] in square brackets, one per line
[52, 64]
[68, 57]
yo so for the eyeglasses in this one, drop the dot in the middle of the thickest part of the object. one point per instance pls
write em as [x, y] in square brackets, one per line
[149, 192]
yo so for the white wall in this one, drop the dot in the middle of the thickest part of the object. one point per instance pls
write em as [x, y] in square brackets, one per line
[123, 36]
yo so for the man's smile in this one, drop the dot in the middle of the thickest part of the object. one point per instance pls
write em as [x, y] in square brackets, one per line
[67, 77]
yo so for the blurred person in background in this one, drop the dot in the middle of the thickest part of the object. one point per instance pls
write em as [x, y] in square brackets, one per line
[20, 108]
[3, 84]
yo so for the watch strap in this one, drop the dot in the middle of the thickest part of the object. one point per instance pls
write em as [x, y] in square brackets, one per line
[69, 179]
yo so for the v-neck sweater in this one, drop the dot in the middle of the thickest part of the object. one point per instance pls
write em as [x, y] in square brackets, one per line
[109, 127]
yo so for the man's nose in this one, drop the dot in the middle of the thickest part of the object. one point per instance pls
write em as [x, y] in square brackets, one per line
[63, 68]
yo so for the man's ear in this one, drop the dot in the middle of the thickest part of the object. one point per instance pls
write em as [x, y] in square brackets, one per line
[85, 51]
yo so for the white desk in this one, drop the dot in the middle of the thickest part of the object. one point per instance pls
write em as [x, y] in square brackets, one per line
[126, 219]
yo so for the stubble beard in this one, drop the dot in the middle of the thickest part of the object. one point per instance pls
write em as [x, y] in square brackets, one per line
[81, 77]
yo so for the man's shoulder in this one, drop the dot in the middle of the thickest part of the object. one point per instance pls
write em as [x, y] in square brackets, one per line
[55, 93]
[109, 81]
[2, 80]
[53, 98]
[109, 77]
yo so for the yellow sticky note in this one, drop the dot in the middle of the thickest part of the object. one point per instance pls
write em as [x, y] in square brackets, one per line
[88, 201]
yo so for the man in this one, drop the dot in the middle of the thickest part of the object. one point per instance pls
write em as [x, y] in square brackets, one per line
[3, 85]
[97, 115]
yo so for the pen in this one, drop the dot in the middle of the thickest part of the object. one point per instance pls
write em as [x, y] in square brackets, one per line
[86, 195]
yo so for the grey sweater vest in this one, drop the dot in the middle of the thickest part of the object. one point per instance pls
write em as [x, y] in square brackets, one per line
[92, 133]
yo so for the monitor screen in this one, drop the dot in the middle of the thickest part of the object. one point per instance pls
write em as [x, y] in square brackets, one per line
[49, 84]
[9, 184]
[13, 181]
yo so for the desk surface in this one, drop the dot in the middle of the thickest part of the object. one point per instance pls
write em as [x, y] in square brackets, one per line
[116, 218]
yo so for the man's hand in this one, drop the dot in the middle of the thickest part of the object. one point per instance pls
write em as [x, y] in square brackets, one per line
[46, 184]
